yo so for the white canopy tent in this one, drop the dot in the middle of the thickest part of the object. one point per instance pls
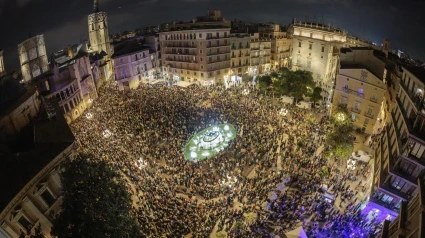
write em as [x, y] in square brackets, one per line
[361, 155]
[296, 233]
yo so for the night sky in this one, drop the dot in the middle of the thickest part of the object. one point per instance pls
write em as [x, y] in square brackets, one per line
[64, 22]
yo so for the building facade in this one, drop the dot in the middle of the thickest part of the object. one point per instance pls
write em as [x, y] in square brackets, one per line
[363, 93]
[260, 53]
[198, 51]
[280, 45]
[411, 221]
[133, 65]
[315, 48]
[33, 197]
[240, 55]
[353, 41]
[70, 82]
[33, 58]
[400, 147]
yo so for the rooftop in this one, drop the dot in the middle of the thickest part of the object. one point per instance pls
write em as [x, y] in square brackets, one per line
[358, 66]
[48, 138]
[128, 48]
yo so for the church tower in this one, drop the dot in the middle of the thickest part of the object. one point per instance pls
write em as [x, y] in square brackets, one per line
[98, 30]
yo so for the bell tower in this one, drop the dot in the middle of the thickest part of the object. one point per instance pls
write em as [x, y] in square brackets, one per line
[98, 30]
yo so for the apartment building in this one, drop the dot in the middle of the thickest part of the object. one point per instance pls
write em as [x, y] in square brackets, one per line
[240, 54]
[133, 65]
[361, 86]
[400, 147]
[315, 48]
[280, 45]
[260, 48]
[411, 221]
[197, 51]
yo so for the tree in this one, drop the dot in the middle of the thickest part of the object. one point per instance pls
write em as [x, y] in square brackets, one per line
[339, 138]
[264, 82]
[317, 94]
[96, 202]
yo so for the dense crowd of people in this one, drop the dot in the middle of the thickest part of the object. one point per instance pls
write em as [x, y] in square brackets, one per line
[274, 161]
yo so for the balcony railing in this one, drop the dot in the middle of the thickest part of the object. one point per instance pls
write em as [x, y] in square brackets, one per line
[180, 53]
[403, 174]
[219, 45]
[217, 38]
[180, 46]
[218, 53]
[418, 101]
[354, 92]
[389, 206]
[387, 187]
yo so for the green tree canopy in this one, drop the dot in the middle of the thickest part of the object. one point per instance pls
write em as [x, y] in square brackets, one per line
[340, 138]
[289, 83]
[96, 202]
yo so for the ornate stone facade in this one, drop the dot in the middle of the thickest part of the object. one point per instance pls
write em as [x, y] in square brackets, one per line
[33, 58]
[98, 33]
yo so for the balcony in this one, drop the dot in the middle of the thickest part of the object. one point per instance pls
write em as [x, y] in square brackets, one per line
[219, 45]
[252, 49]
[180, 46]
[182, 60]
[353, 92]
[418, 101]
[218, 53]
[180, 53]
[402, 174]
[355, 109]
[389, 206]
[410, 123]
[388, 188]
[218, 61]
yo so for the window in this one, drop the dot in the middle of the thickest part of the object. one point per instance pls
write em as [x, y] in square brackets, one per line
[202, 74]
[323, 49]
[310, 46]
[308, 64]
[299, 44]
[298, 62]
[48, 197]
[366, 121]
[225, 34]
[201, 59]
[200, 51]
[25, 223]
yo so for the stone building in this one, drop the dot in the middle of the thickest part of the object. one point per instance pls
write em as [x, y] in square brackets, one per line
[260, 53]
[31, 187]
[197, 51]
[69, 82]
[315, 48]
[33, 57]
[240, 55]
[360, 85]
[353, 41]
[133, 65]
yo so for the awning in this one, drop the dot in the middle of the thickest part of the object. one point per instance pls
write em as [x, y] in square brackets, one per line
[296, 233]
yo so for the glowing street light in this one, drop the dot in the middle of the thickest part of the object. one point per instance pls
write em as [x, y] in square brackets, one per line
[90, 100]
[340, 116]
